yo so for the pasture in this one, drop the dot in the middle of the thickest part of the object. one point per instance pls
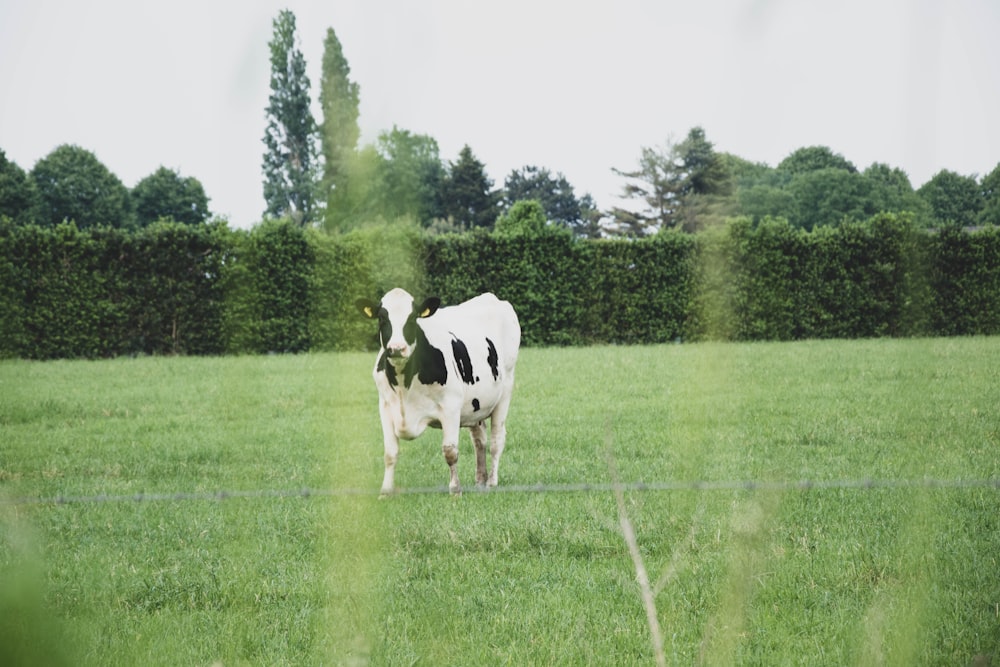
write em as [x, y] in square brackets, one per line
[903, 574]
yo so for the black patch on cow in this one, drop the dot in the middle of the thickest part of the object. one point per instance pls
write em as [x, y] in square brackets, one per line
[384, 327]
[426, 362]
[475, 404]
[462, 361]
[492, 358]
[385, 367]
[410, 329]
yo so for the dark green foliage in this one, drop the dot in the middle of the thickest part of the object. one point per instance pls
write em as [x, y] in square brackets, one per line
[74, 186]
[639, 291]
[206, 289]
[964, 276]
[270, 291]
[828, 196]
[554, 193]
[767, 271]
[813, 158]
[525, 217]
[774, 281]
[165, 194]
[170, 274]
[106, 292]
[989, 188]
[62, 296]
[467, 193]
[815, 187]
[18, 194]
[540, 274]
[409, 176]
[953, 198]
[891, 192]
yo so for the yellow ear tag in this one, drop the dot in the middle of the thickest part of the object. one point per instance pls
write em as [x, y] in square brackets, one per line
[368, 311]
[427, 311]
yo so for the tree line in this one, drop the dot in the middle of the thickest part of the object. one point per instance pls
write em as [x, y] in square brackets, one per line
[316, 174]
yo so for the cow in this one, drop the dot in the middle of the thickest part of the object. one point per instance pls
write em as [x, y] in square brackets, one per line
[446, 368]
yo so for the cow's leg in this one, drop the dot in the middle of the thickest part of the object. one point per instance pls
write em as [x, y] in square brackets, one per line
[391, 444]
[449, 446]
[391, 455]
[498, 437]
[479, 440]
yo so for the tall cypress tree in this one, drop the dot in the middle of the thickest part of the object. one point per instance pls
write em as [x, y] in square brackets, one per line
[338, 97]
[291, 156]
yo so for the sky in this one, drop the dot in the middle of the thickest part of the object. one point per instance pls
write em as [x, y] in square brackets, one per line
[574, 87]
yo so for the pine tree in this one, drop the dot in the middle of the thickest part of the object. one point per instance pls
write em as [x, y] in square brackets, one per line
[468, 198]
[291, 156]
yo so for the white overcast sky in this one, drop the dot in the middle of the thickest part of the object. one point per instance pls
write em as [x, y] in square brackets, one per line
[576, 87]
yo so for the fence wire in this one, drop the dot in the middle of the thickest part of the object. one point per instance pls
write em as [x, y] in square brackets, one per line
[604, 487]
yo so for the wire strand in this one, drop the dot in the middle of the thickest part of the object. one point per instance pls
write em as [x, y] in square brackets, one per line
[583, 487]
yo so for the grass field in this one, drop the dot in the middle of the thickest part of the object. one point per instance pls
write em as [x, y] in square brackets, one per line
[906, 575]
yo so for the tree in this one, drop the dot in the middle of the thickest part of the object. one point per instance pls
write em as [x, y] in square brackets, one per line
[813, 158]
[410, 176]
[554, 193]
[467, 193]
[989, 189]
[704, 185]
[166, 194]
[291, 157]
[827, 196]
[762, 201]
[891, 192]
[704, 172]
[744, 173]
[339, 132]
[953, 198]
[655, 182]
[18, 194]
[590, 219]
[670, 180]
[74, 185]
[525, 218]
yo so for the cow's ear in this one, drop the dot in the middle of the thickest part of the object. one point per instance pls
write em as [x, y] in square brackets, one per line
[367, 307]
[429, 307]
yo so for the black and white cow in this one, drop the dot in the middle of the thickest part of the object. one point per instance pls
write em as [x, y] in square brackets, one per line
[445, 368]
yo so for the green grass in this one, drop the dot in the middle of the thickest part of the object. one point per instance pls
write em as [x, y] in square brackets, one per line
[775, 575]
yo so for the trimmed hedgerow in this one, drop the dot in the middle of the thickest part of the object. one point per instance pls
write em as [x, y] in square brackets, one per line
[207, 289]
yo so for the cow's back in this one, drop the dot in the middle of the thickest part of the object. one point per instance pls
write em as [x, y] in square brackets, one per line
[484, 316]
[480, 340]
[488, 316]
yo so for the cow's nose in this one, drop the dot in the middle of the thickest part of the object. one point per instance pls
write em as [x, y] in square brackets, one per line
[395, 351]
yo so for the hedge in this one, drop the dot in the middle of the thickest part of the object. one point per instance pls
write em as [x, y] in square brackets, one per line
[208, 289]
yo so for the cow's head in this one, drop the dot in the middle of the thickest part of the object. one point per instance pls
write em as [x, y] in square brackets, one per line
[397, 322]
